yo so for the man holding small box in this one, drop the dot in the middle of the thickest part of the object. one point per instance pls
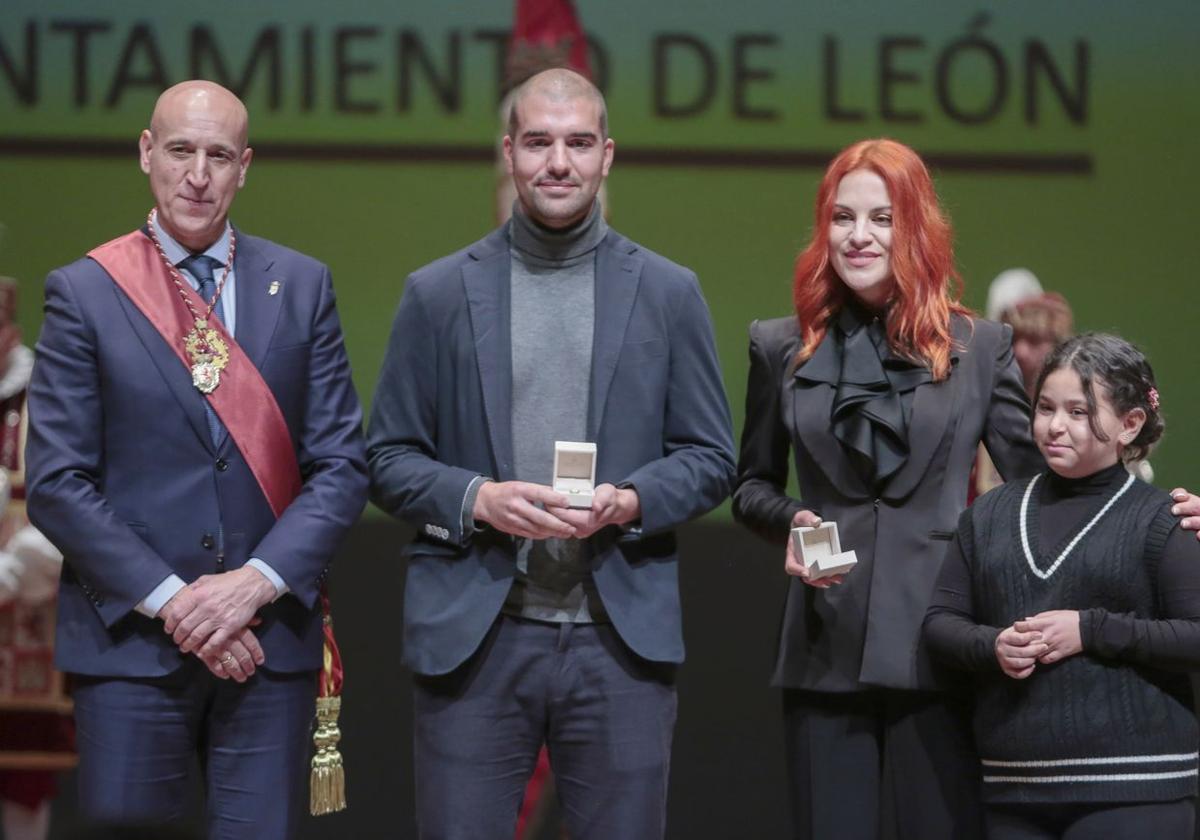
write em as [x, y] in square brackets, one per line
[528, 619]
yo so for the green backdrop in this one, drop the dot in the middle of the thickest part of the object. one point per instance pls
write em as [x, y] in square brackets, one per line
[1062, 136]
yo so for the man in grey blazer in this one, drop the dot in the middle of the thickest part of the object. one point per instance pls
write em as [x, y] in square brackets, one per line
[527, 621]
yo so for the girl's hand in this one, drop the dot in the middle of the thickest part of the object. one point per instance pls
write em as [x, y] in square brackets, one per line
[1018, 650]
[1060, 632]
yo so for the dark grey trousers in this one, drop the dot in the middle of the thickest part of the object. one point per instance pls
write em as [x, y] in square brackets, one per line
[605, 716]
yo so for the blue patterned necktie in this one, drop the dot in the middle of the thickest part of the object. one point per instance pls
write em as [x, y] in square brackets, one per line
[201, 267]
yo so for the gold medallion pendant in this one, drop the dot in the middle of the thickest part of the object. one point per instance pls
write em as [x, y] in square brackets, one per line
[205, 349]
[209, 355]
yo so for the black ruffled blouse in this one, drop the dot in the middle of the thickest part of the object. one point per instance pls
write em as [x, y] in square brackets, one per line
[872, 403]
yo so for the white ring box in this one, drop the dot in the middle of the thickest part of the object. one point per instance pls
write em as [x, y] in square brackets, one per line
[575, 472]
[820, 550]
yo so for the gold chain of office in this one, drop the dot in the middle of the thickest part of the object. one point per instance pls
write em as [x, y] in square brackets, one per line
[205, 348]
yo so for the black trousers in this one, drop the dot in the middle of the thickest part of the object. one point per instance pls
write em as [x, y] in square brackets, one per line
[1093, 821]
[885, 763]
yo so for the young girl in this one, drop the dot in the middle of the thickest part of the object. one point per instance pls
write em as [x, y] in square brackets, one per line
[1075, 598]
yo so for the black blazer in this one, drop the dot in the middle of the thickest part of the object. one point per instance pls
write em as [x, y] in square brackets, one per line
[865, 631]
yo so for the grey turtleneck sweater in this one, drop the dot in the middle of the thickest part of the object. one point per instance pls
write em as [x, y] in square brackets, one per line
[553, 316]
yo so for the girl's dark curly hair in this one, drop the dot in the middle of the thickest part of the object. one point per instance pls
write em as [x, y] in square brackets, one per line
[1123, 371]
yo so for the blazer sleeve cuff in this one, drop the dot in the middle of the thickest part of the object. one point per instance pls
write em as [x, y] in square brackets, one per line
[281, 587]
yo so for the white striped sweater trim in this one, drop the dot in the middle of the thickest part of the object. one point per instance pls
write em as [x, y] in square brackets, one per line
[1096, 760]
[1096, 777]
[1033, 566]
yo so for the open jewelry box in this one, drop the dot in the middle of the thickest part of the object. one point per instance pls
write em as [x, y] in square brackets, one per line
[820, 550]
[575, 472]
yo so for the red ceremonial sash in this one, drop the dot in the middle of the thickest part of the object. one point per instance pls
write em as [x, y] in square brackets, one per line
[242, 401]
[250, 413]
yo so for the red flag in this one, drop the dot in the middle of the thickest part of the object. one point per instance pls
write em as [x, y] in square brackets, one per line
[545, 34]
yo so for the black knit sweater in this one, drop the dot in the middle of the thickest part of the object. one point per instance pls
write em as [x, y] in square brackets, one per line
[1113, 723]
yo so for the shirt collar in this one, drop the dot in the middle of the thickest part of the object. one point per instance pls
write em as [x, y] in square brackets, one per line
[176, 253]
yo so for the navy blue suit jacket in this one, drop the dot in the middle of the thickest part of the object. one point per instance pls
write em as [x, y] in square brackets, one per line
[443, 414]
[123, 476]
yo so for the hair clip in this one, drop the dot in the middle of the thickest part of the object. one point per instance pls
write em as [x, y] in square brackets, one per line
[1152, 396]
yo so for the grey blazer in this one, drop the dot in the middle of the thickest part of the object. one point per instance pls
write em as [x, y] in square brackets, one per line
[442, 415]
[865, 631]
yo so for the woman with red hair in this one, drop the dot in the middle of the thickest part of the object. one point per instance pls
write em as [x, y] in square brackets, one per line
[882, 386]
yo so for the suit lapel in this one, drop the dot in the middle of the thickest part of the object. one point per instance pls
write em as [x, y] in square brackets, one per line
[257, 309]
[618, 275]
[486, 282]
[257, 314]
[176, 377]
[933, 405]
[812, 410]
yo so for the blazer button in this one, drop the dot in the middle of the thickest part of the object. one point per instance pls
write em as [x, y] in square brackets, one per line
[207, 541]
[222, 465]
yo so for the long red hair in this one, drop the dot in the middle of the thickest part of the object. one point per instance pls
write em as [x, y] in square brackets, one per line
[927, 285]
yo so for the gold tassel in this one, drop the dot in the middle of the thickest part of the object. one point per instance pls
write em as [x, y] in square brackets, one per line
[327, 782]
